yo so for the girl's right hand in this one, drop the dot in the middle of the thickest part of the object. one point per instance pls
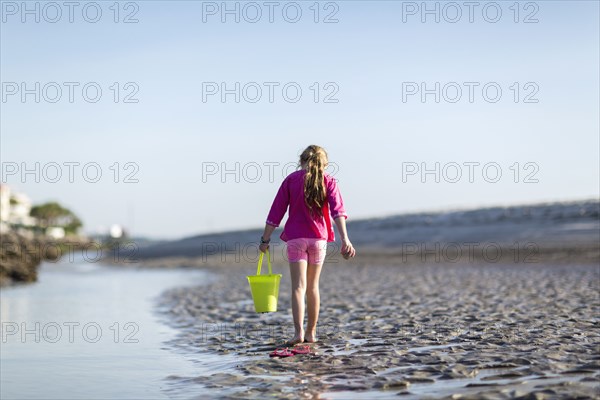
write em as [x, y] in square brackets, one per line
[348, 250]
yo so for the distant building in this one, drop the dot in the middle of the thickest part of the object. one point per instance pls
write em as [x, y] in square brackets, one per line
[55, 232]
[15, 214]
[116, 231]
[4, 207]
[20, 207]
[14, 209]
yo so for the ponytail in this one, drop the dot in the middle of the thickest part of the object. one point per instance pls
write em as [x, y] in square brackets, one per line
[314, 158]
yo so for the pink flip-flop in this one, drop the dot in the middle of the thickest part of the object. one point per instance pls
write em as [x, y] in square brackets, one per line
[305, 349]
[281, 353]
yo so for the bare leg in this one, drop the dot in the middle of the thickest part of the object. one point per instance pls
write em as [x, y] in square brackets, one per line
[298, 275]
[313, 301]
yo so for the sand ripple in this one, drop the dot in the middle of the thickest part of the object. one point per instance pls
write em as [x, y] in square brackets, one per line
[440, 331]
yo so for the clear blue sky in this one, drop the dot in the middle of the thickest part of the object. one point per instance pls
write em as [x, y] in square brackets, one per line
[369, 133]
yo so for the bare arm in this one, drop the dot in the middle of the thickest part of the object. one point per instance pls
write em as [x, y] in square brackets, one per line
[347, 248]
[267, 237]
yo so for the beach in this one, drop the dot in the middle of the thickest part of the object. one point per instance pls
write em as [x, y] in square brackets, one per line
[150, 150]
[490, 331]
[490, 303]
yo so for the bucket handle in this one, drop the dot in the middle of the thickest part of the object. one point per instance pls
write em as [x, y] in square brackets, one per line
[260, 261]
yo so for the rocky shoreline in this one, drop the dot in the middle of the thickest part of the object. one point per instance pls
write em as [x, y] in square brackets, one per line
[19, 259]
[21, 256]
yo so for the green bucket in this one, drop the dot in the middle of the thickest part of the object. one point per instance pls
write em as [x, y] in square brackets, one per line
[265, 288]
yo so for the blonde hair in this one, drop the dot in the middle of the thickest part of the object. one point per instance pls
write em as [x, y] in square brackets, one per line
[314, 159]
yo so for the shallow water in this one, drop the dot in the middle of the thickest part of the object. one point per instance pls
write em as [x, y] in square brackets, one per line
[89, 331]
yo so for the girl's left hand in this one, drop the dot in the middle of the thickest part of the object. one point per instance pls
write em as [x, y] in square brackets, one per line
[263, 247]
[347, 250]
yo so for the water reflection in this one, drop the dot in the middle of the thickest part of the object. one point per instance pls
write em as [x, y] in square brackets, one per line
[88, 331]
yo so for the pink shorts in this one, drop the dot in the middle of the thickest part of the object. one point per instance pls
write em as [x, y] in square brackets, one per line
[311, 250]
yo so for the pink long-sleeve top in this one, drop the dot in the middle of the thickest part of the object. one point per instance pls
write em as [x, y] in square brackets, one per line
[300, 222]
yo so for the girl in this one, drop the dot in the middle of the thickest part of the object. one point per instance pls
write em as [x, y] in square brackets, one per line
[310, 194]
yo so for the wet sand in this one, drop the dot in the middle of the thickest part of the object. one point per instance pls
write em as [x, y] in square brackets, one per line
[389, 330]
